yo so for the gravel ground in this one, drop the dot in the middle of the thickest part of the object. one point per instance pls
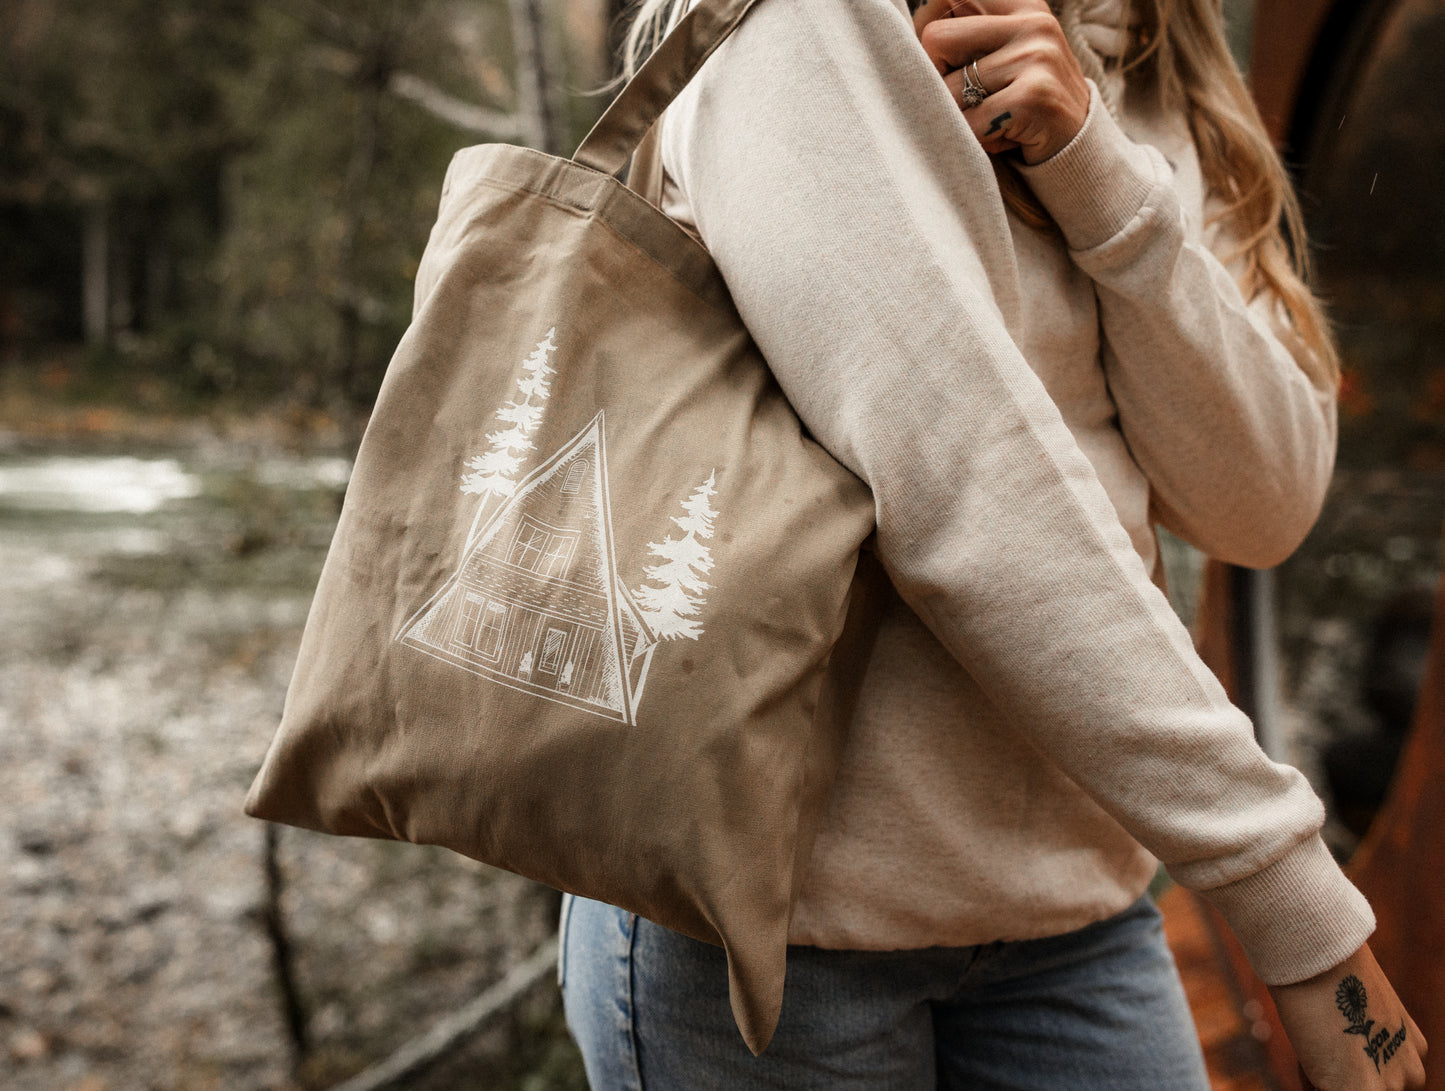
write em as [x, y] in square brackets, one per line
[150, 620]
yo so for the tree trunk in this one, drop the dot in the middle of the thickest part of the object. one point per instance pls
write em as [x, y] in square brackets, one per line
[155, 295]
[95, 275]
[534, 102]
[355, 192]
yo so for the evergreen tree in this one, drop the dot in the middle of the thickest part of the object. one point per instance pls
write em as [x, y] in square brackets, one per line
[494, 473]
[241, 188]
[671, 604]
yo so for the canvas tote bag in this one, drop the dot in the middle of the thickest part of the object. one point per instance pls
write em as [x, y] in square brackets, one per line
[579, 609]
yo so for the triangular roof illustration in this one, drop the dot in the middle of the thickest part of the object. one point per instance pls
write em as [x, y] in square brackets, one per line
[536, 603]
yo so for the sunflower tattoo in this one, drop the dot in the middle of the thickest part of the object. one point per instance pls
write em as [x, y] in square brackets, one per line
[1352, 1000]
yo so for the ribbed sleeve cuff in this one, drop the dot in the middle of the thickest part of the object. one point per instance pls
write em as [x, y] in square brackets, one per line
[1097, 183]
[1297, 917]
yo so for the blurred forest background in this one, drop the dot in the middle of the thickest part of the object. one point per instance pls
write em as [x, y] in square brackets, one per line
[228, 198]
[211, 212]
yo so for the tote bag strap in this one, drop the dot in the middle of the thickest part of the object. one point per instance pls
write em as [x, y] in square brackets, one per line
[645, 177]
[620, 129]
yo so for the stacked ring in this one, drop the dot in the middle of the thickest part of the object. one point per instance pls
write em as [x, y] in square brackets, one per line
[974, 91]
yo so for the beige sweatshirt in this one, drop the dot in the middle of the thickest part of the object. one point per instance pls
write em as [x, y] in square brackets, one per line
[1034, 721]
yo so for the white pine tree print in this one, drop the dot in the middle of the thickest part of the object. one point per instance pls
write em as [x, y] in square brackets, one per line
[494, 473]
[676, 592]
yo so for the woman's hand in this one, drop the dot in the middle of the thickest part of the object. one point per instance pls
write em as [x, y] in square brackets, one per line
[1350, 1031]
[1037, 98]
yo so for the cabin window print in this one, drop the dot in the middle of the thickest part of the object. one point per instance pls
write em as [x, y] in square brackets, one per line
[480, 625]
[528, 546]
[467, 623]
[559, 552]
[494, 621]
[542, 549]
[537, 602]
[573, 485]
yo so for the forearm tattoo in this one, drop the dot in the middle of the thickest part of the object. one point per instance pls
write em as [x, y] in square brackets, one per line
[997, 123]
[1380, 1045]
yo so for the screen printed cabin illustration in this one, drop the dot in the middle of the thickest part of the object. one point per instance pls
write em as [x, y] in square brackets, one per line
[537, 603]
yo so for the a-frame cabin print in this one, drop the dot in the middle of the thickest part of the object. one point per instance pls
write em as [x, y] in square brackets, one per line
[536, 604]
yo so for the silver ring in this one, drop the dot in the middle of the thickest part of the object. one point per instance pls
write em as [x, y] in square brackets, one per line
[974, 91]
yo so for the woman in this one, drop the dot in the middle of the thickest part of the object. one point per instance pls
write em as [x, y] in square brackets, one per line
[998, 299]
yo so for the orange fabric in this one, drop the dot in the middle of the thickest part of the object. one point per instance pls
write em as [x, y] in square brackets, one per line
[1398, 866]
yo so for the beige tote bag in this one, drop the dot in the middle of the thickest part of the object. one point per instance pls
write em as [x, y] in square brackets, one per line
[578, 613]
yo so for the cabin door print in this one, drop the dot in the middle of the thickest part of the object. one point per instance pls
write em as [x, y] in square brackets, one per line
[552, 650]
[537, 604]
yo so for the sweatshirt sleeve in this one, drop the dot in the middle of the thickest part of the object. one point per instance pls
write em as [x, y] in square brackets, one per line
[857, 223]
[1236, 440]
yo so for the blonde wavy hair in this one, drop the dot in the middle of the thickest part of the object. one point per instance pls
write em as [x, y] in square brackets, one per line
[1177, 55]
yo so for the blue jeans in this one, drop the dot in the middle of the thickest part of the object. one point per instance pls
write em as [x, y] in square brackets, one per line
[1100, 1009]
